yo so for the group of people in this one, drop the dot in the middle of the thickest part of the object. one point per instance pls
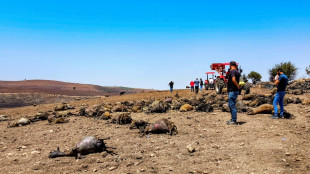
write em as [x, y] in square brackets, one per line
[233, 89]
[195, 85]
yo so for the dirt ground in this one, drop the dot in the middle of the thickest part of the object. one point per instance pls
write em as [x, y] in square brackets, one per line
[258, 145]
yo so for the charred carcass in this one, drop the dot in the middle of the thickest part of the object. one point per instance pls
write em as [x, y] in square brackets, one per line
[85, 146]
[161, 126]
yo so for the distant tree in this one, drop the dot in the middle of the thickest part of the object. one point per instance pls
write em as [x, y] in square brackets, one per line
[254, 76]
[74, 88]
[308, 70]
[289, 69]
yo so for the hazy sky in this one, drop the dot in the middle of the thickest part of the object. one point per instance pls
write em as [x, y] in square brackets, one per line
[147, 43]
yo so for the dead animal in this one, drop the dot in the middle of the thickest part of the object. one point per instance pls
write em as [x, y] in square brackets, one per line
[296, 100]
[123, 118]
[241, 107]
[82, 111]
[20, 122]
[63, 106]
[138, 124]
[168, 100]
[55, 120]
[204, 107]
[161, 126]
[262, 109]
[122, 92]
[248, 96]
[157, 107]
[40, 116]
[3, 118]
[119, 108]
[177, 95]
[85, 146]
[225, 108]
[106, 116]
[92, 111]
[259, 100]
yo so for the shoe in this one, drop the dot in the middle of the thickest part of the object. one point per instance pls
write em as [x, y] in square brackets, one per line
[231, 122]
[274, 117]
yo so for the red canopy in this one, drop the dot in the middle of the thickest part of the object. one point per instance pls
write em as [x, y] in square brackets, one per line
[210, 72]
[216, 66]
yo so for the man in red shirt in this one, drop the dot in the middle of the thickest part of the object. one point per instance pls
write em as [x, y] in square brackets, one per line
[192, 86]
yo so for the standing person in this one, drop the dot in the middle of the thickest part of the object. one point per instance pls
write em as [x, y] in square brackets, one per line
[201, 84]
[192, 86]
[171, 86]
[281, 82]
[196, 85]
[233, 91]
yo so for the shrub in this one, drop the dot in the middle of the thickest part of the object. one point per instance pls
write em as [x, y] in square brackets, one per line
[254, 76]
[288, 68]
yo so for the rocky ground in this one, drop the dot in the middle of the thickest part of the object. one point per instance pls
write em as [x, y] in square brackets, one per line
[257, 145]
[13, 100]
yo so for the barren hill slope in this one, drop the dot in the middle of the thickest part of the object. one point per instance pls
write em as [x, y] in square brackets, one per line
[60, 88]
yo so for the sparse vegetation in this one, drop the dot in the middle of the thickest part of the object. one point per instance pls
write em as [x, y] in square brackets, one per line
[308, 70]
[254, 76]
[289, 69]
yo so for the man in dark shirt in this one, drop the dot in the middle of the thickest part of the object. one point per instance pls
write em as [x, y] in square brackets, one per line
[171, 86]
[196, 82]
[201, 84]
[281, 82]
[233, 91]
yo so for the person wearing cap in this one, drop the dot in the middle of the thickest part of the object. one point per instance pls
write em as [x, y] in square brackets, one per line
[196, 82]
[233, 91]
[281, 82]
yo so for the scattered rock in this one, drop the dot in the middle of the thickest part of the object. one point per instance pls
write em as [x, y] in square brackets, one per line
[190, 148]
[35, 152]
[112, 168]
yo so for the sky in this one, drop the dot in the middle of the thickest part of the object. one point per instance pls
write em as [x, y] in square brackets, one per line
[146, 44]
